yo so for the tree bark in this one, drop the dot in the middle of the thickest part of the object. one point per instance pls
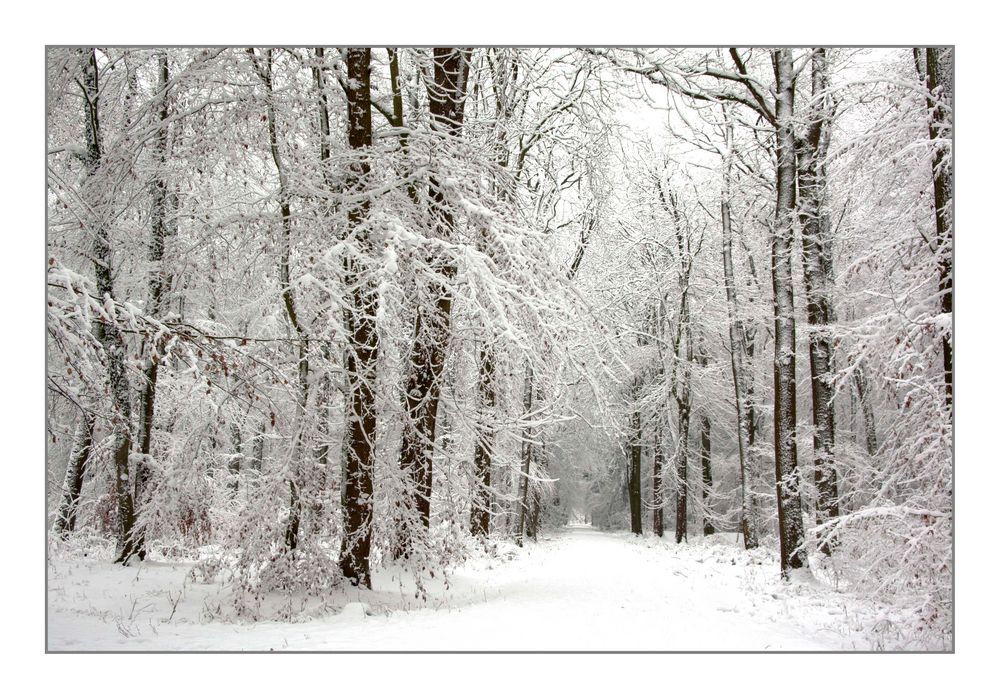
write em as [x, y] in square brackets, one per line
[740, 360]
[657, 485]
[526, 454]
[106, 330]
[863, 389]
[706, 460]
[158, 285]
[483, 458]
[787, 481]
[683, 358]
[635, 471]
[446, 98]
[683, 429]
[937, 69]
[362, 361]
[817, 259]
[83, 439]
[265, 71]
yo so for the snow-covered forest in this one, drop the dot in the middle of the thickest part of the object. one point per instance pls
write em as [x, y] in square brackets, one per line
[343, 341]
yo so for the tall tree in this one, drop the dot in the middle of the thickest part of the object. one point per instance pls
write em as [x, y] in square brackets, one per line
[483, 457]
[787, 480]
[158, 285]
[527, 445]
[264, 67]
[683, 351]
[936, 68]
[108, 333]
[817, 263]
[635, 467]
[363, 356]
[446, 104]
[657, 484]
[705, 452]
[738, 352]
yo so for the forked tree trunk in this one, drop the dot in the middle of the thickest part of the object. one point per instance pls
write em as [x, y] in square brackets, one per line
[83, 439]
[362, 361]
[741, 366]
[787, 480]
[683, 358]
[446, 104]
[107, 332]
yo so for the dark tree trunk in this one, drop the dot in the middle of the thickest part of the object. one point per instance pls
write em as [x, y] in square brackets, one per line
[526, 455]
[257, 450]
[787, 480]
[706, 473]
[706, 461]
[83, 439]
[817, 265]
[362, 361]
[937, 69]
[106, 331]
[446, 103]
[657, 485]
[236, 460]
[867, 412]
[483, 458]
[683, 358]
[683, 429]
[158, 285]
[635, 472]
[742, 386]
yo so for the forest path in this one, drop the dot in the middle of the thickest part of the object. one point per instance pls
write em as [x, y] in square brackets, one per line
[583, 589]
[578, 589]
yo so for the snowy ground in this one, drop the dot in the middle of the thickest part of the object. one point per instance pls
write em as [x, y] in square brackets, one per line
[579, 589]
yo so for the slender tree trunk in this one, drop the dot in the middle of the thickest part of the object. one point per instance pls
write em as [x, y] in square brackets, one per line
[446, 98]
[683, 358]
[742, 370]
[107, 332]
[706, 473]
[861, 385]
[83, 439]
[706, 460]
[158, 285]
[657, 482]
[362, 362]
[683, 429]
[483, 457]
[236, 460]
[526, 455]
[257, 449]
[635, 471]
[787, 480]
[937, 69]
[265, 71]
[817, 264]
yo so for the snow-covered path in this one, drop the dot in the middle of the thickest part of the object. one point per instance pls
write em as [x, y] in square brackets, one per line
[581, 589]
